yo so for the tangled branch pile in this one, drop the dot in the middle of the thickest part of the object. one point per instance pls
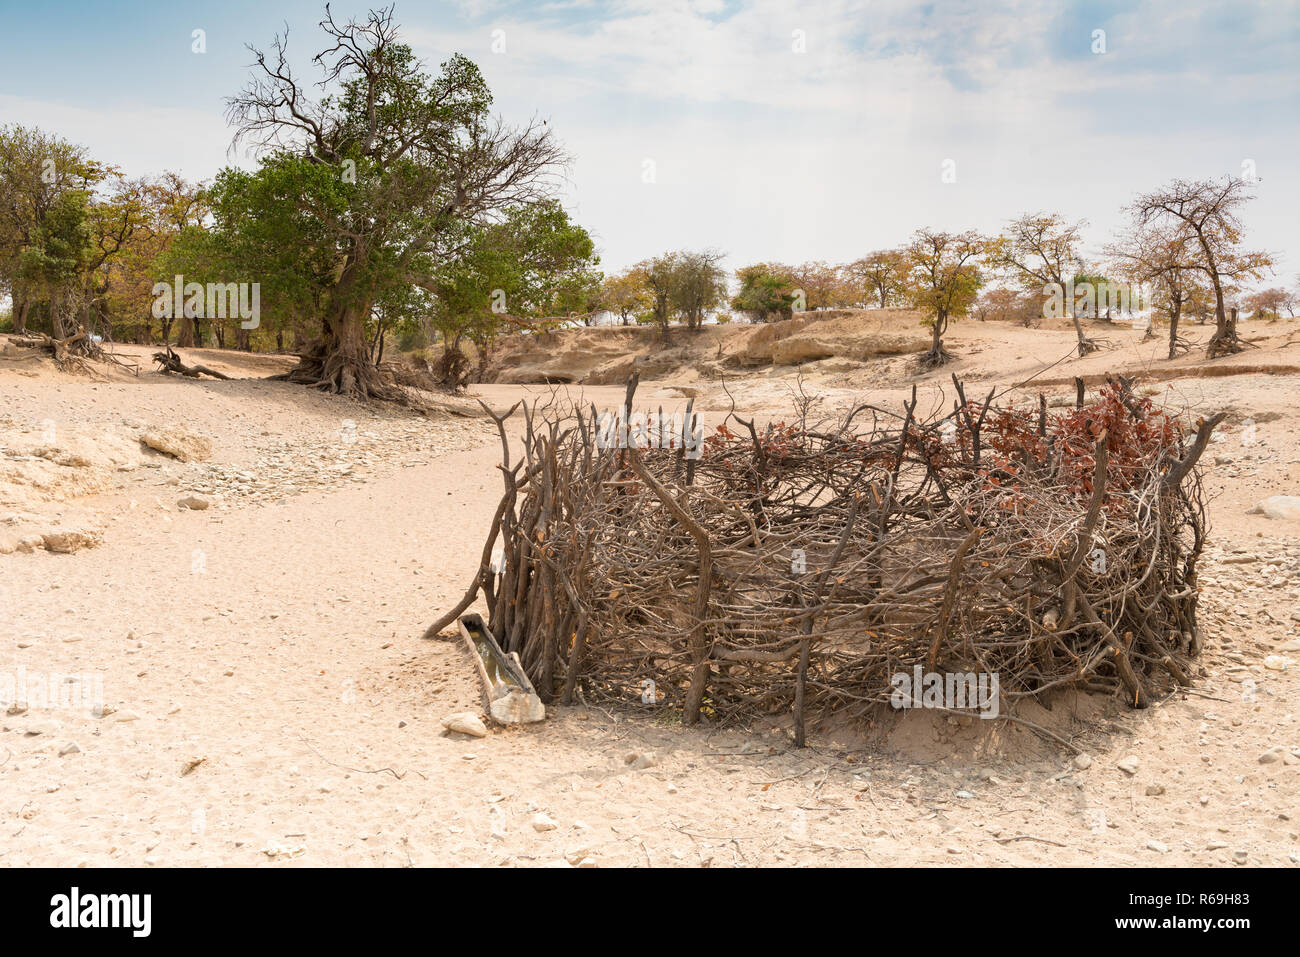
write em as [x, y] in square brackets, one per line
[72, 353]
[799, 567]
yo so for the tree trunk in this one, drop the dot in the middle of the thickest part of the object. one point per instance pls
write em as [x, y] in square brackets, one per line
[185, 334]
[341, 362]
[1086, 345]
[1174, 315]
[20, 316]
[936, 356]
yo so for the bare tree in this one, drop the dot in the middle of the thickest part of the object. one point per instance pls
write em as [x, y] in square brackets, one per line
[1160, 255]
[1209, 211]
[1042, 251]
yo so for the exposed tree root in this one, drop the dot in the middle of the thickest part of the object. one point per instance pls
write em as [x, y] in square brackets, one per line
[1225, 343]
[934, 357]
[1087, 345]
[69, 353]
[342, 374]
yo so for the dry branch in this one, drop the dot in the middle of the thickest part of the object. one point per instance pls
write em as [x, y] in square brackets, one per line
[794, 569]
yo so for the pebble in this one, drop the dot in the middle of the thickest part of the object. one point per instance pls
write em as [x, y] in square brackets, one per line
[1083, 761]
[70, 748]
[1155, 790]
[465, 722]
[1158, 847]
[1129, 765]
[542, 822]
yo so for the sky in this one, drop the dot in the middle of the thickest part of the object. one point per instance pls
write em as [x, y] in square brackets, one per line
[771, 130]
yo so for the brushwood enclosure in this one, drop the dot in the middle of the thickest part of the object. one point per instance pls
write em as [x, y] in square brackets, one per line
[795, 568]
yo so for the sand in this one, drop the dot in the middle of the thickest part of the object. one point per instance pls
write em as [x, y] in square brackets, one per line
[270, 701]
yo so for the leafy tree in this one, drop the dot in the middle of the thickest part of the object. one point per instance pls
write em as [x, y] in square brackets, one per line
[881, 274]
[1004, 304]
[1269, 303]
[767, 292]
[535, 266]
[823, 286]
[414, 161]
[943, 281]
[699, 285]
[660, 277]
[1041, 250]
[626, 294]
[39, 218]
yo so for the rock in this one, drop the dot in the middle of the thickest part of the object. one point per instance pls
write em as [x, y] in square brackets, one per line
[517, 707]
[1129, 765]
[41, 727]
[1276, 663]
[1158, 847]
[466, 722]
[65, 541]
[638, 760]
[1271, 756]
[193, 502]
[576, 855]
[587, 862]
[123, 716]
[1278, 507]
[1239, 857]
[1155, 790]
[179, 442]
[70, 748]
[543, 822]
[1083, 761]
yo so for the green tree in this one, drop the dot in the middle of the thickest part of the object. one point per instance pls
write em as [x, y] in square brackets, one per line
[766, 294]
[698, 285]
[414, 158]
[943, 281]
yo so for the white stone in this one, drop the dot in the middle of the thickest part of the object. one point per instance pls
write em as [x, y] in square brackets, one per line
[465, 722]
[1278, 506]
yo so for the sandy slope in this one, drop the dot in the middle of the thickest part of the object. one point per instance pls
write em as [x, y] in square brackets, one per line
[273, 638]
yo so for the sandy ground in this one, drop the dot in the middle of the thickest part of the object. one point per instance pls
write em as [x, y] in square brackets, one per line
[270, 701]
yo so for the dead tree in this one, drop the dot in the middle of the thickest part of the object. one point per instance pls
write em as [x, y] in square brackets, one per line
[170, 363]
